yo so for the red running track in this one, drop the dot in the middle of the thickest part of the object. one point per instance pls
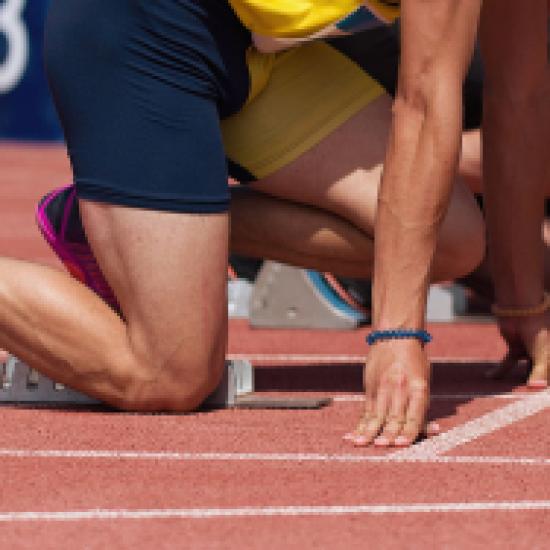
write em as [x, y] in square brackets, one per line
[274, 479]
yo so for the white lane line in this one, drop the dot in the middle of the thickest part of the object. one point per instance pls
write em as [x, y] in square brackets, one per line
[350, 398]
[175, 456]
[483, 425]
[298, 357]
[251, 511]
[322, 358]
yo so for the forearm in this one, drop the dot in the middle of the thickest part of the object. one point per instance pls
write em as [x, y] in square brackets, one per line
[515, 167]
[515, 142]
[437, 38]
[416, 185]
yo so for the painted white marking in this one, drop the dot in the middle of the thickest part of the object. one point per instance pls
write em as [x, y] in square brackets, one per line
[263, 511]
[323, 358]
[298, 357]
[486, 424]
[267, 457]
[444, 396]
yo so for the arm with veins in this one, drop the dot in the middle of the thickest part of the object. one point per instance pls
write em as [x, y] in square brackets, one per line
[437, 43]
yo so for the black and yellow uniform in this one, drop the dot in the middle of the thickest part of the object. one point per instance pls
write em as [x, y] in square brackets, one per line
[297, 97]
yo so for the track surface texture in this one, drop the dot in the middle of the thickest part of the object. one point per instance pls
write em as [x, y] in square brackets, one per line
[269, 479]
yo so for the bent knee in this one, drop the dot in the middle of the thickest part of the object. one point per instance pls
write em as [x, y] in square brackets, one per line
[172, 390]
[469, 253]
[461, 250]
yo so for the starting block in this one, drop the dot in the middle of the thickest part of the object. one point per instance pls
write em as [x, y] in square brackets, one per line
[22, 385]
[289, 297]
[446, 303]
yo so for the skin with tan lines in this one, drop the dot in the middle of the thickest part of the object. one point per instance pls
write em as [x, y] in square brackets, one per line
[437, 41]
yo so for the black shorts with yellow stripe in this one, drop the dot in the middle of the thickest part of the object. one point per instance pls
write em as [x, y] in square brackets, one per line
[299, 96]
[302, 95]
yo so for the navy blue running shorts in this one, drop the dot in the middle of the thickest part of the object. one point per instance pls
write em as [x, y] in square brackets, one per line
[140, 87]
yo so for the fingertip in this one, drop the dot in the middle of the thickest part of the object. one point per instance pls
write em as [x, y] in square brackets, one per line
[381, 441]
[433, 428]
[537, 384]
[402, 441]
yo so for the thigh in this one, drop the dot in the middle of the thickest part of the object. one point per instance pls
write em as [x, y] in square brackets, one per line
[139, 86]
[320, 124]
[342, 174]
[317, 133]
[168, 271]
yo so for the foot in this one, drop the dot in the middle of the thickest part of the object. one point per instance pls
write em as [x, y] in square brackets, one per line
[58, 218]
[528, 338]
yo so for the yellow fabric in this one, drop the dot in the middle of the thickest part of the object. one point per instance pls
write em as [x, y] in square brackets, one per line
[311, 91]
[387, 11]
[291, 18]
[260, 67]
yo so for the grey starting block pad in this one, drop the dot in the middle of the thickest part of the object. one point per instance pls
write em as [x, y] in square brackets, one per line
[446, 303]
[23, 385]
[289, 297]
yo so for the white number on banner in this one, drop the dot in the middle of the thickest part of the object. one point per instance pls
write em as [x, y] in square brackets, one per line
[16, 37]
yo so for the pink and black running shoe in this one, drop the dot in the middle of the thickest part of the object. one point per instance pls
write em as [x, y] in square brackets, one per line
[58, 218]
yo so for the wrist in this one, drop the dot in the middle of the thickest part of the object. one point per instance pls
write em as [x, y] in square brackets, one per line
[420, 335]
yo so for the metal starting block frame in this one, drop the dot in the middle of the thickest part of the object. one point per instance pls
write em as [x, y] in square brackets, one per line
[22, 385]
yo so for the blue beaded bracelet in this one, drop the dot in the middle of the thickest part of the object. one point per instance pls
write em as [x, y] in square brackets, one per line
[422, 335]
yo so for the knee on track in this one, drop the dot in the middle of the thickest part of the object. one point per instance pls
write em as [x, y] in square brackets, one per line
[152, 388]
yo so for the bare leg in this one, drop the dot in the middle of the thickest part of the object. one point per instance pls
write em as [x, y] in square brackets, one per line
[318, 212]
[169, 355]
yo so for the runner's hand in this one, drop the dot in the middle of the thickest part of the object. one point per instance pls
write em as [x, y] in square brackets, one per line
[396, 377]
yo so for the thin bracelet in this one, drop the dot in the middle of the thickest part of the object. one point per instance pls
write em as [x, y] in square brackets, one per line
[377, 335]
[500, 311]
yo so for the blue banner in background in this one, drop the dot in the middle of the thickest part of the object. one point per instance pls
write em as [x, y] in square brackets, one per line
[26, 109]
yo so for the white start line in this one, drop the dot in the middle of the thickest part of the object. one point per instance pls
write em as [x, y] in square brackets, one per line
[351, 398]
[175, 456]
[271, 511]
[474, 429]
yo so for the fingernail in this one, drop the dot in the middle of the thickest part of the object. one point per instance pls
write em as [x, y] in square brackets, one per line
[433, 428]
[537, 384]
[349, 437]
[381, 441]
[402, 441]
[360, 440]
